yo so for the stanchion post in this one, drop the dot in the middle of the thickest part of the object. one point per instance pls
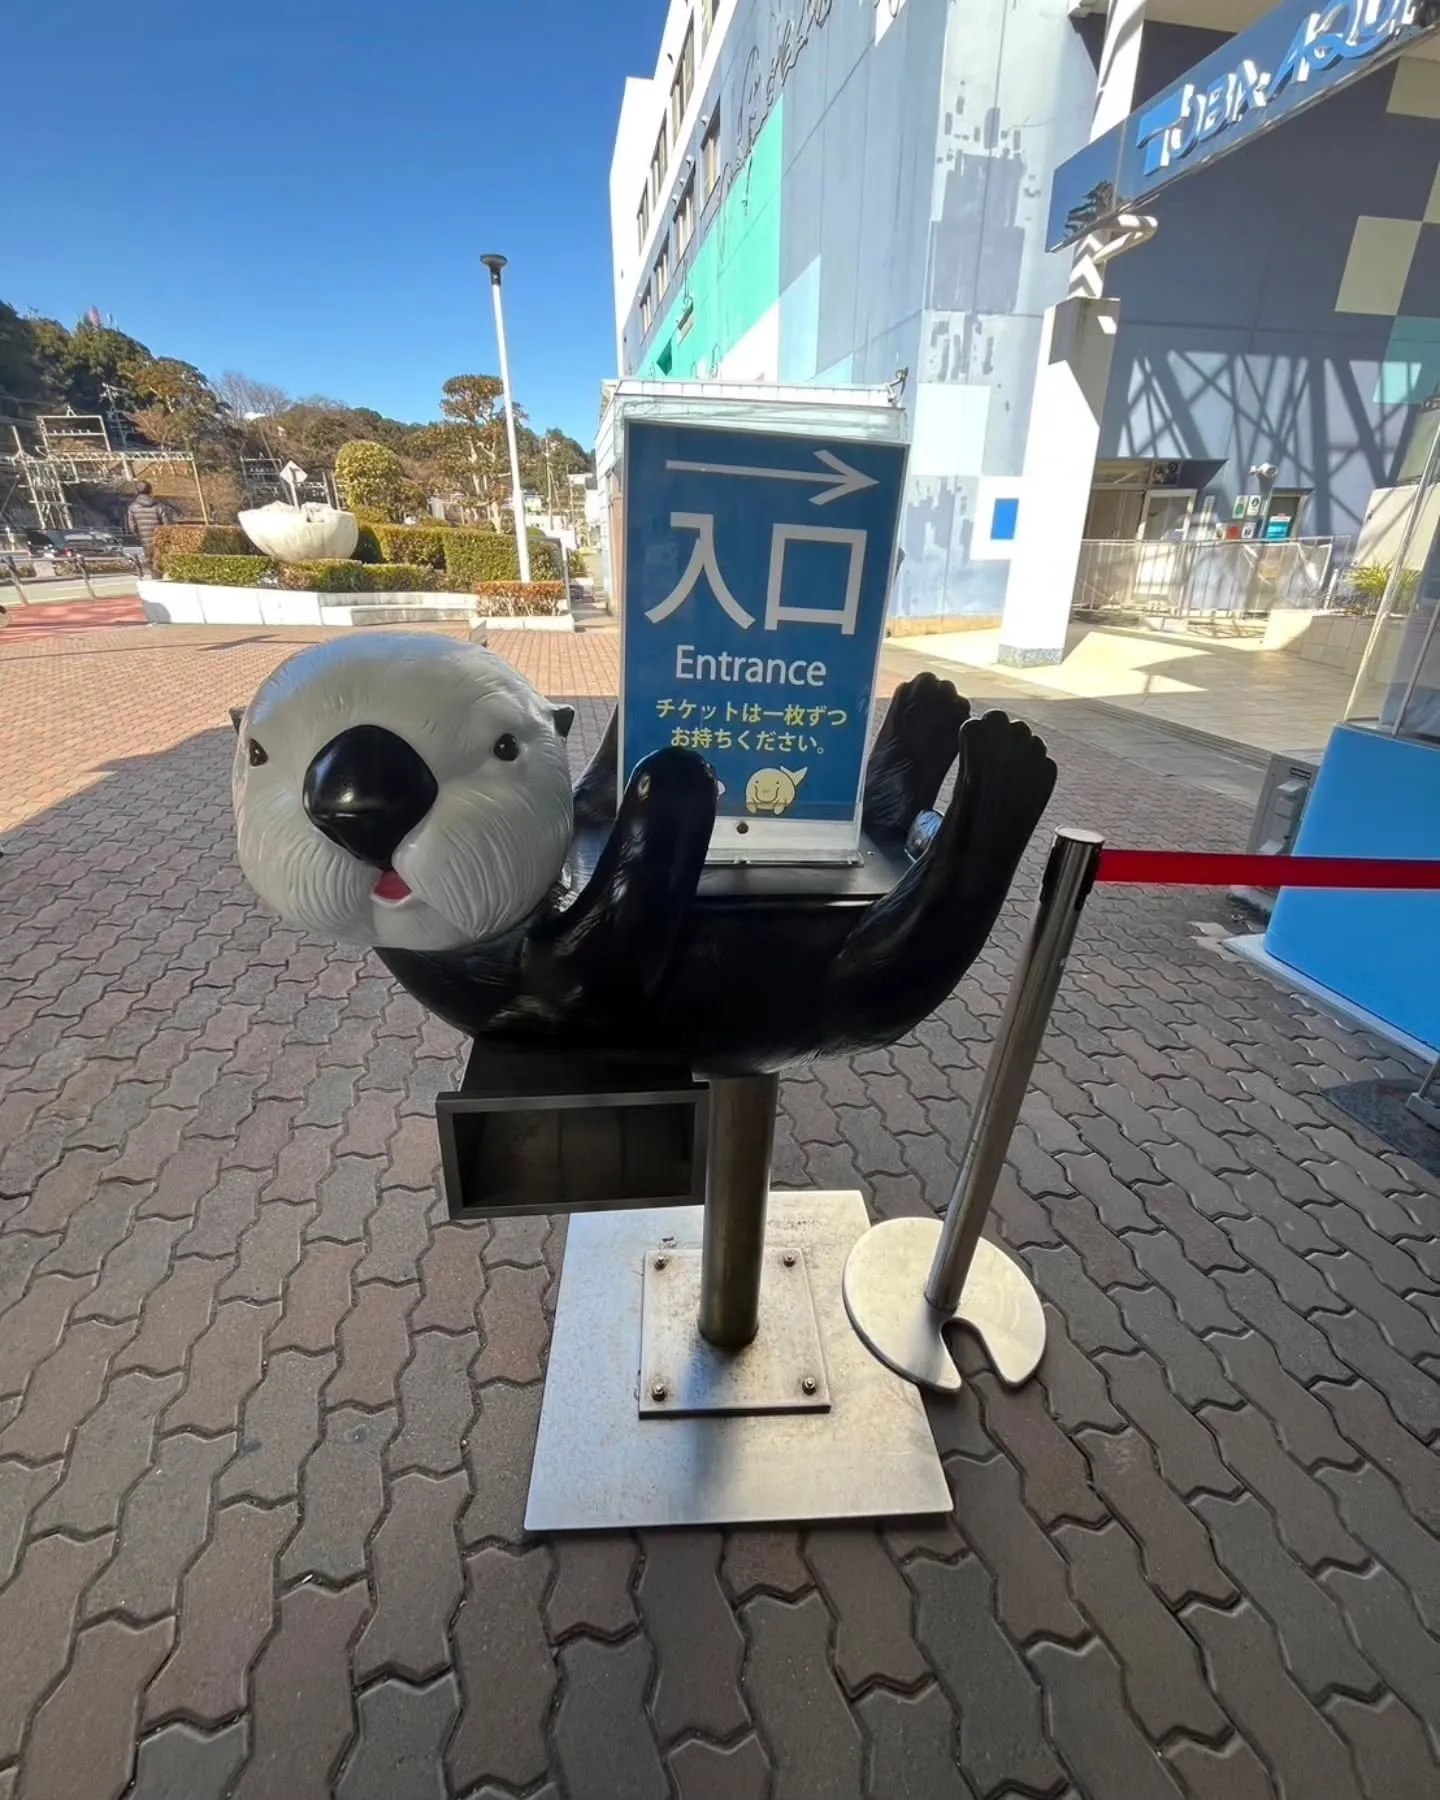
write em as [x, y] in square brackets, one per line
[907, 1279]
[1069, 876]
[739, 1145]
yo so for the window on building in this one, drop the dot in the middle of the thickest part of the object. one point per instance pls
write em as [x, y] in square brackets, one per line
[707, 19]
[647, 308]
[642, 220]
[684, 83]
[662, 269]
[657, 164]
[710, 154]
[685, 218]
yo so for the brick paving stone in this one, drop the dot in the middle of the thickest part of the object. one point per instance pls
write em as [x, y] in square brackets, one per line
[1192, 1370]
[1414, 1397]
[301, 1166]
[1053, 1473]
[514, 1326]
[764, 1561]
[992, 1690]
[269, 1250]
[20, 1254]
[1391, 1751]
[1073, 1384]
[1302, 1351]
[1306, 1514]
[498, 1456]
[64, 1388]
[1305, 1427]
[506, 1671]
[374, 1345]
[83, 1737]
[1233, 1773]
[370, 1123]
[1405, 1328]
[1300, 1281]
[31, 1329]
[1387, 1628]
[702, 1771]
[162, 1525]
[603, 1741]
[302, 1711]
[414, 1155]
[225, 1213]
[591, 1591]
[317, 1297]
[517, 1241]
[452, 1280]
[21, 1491]
[1092, 1729]
[397, 1749]
[138, 1264]
[815, 1745]
[437, 1403]
[192, 1171]
[1094, 1321]
[1030, 1592]
[418, 1580]
[1394, 1264]
[913, 1747]
[874, 1635]
[1373, 1509]
[37, 1620]
[61, 1192]
[1159, 1663]
[1200, 1303]
[699, 1646]
[227, 1606]
[181, 1763]
[150, 1144]
[225, 1367]
[111, 1450]
[174, 1316]
[1369, 1424]
[348, 1196]
[1173, 1543]
[94, 1230]
[1245, 1670]
[342, 1495]
[398, 1231]
[280, 1426]
[1313, 1641]
[1184, 1448]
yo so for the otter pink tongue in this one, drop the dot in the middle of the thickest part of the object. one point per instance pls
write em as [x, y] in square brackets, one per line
[391, 887]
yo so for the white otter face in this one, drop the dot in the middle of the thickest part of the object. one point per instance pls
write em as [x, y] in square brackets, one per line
[401, 791]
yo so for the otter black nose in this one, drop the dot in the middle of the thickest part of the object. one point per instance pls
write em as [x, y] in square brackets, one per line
[366, 790]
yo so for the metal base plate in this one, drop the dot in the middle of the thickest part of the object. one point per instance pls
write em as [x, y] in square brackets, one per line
[885, 1278]
[599, 1464]
[781, 1370]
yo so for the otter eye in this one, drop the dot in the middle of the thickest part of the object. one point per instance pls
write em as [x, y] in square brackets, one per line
[506, 747]
[256, 754]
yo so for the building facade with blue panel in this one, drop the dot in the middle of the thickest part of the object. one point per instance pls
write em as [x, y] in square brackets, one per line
[829, 191]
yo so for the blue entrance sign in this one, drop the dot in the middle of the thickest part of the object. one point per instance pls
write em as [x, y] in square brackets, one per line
[756, 573]
[1294, 56]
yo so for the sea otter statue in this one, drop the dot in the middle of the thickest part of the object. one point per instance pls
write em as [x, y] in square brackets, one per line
[413, 794]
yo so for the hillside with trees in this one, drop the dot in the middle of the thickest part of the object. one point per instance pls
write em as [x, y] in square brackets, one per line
[160, 402]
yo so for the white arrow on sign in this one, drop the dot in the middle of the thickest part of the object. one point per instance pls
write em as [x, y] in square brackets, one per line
[841, 481]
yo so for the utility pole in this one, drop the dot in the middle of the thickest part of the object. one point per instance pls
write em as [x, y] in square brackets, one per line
[495, 263]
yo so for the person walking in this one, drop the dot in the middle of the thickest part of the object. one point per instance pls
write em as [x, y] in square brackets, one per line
[143, 518]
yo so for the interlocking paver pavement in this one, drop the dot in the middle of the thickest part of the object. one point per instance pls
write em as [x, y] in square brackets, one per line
[266, 1420]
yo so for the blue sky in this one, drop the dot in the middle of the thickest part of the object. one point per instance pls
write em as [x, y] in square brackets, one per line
[302, 191]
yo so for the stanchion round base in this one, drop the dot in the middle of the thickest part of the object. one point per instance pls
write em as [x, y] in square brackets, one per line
[885, 1278]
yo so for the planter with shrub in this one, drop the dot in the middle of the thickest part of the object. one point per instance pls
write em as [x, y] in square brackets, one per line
[336, 577]
[537, 605]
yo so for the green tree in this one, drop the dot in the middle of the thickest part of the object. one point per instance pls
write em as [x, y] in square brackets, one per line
[477, 452]
[179, 407]
[23, 385]
[373, 481]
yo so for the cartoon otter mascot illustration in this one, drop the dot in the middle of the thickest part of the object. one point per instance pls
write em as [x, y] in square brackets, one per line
[413, 794]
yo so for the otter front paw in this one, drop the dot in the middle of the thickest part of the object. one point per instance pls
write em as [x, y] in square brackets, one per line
[913, 753]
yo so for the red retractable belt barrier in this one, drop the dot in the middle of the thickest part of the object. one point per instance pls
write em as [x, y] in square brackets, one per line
[1203, 868]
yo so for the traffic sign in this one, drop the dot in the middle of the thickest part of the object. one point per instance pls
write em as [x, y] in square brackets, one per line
[292, 475]
[756, 577]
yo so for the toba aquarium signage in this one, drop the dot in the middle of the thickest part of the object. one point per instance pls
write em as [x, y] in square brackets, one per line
[1294, 56]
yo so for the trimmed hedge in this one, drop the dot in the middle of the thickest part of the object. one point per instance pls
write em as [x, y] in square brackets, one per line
[415, 543]
[472, 556]
[520, 599]
[198, 540]
[217, 571]
[333, 576]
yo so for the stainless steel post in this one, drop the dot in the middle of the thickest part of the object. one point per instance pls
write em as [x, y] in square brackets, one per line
[1069, 876]
[740, 1142]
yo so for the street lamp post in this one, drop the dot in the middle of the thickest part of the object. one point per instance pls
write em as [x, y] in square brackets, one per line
[522, 545]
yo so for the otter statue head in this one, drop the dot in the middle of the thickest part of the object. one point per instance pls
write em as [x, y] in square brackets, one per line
[402, 791]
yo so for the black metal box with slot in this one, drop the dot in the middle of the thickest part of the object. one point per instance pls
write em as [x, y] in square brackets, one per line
[530, 1132]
